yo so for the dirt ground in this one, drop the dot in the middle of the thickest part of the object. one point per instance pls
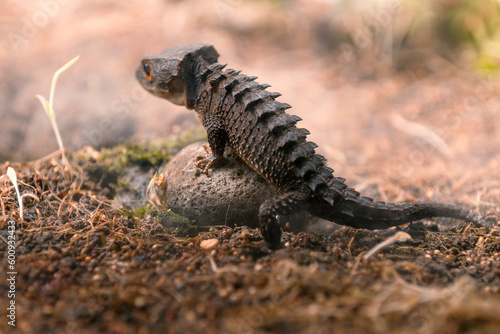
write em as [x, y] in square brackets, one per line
[85, 264]
[92, 256]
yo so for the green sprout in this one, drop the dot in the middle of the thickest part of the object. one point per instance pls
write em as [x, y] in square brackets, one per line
[11, 173]
[49, 107]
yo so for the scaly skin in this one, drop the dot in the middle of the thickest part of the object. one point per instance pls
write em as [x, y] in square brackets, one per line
[239, 112]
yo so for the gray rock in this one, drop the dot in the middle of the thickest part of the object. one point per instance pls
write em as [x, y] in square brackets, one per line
[230, 194]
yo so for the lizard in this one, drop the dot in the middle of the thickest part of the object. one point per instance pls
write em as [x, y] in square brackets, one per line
[239, 112]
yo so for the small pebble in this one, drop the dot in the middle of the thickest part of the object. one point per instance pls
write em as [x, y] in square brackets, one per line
[140, 302]
[97, 277]
[209, 243]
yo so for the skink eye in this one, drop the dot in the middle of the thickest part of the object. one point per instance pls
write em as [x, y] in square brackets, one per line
[147, 70]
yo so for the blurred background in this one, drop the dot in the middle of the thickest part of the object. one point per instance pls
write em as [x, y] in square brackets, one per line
[402, 82]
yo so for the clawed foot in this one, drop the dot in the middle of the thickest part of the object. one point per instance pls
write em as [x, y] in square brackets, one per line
[204, 161]
[271, 231]
[486, 222]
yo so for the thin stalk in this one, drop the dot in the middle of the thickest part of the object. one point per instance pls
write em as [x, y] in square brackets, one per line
[48, 106]
[11, 173]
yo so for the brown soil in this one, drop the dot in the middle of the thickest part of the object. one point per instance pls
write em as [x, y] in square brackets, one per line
[83, 265]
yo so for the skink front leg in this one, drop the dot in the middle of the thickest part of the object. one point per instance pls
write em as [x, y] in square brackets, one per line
[217, 138]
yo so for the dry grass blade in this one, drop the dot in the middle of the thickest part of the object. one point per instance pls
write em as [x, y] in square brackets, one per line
[422, 132]
[399, 236]
[11, 173]
[48, 106]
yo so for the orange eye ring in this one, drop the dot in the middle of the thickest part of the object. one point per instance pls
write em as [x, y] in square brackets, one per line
[147, 70]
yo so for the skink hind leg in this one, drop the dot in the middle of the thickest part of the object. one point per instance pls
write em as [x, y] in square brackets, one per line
[271, 208]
